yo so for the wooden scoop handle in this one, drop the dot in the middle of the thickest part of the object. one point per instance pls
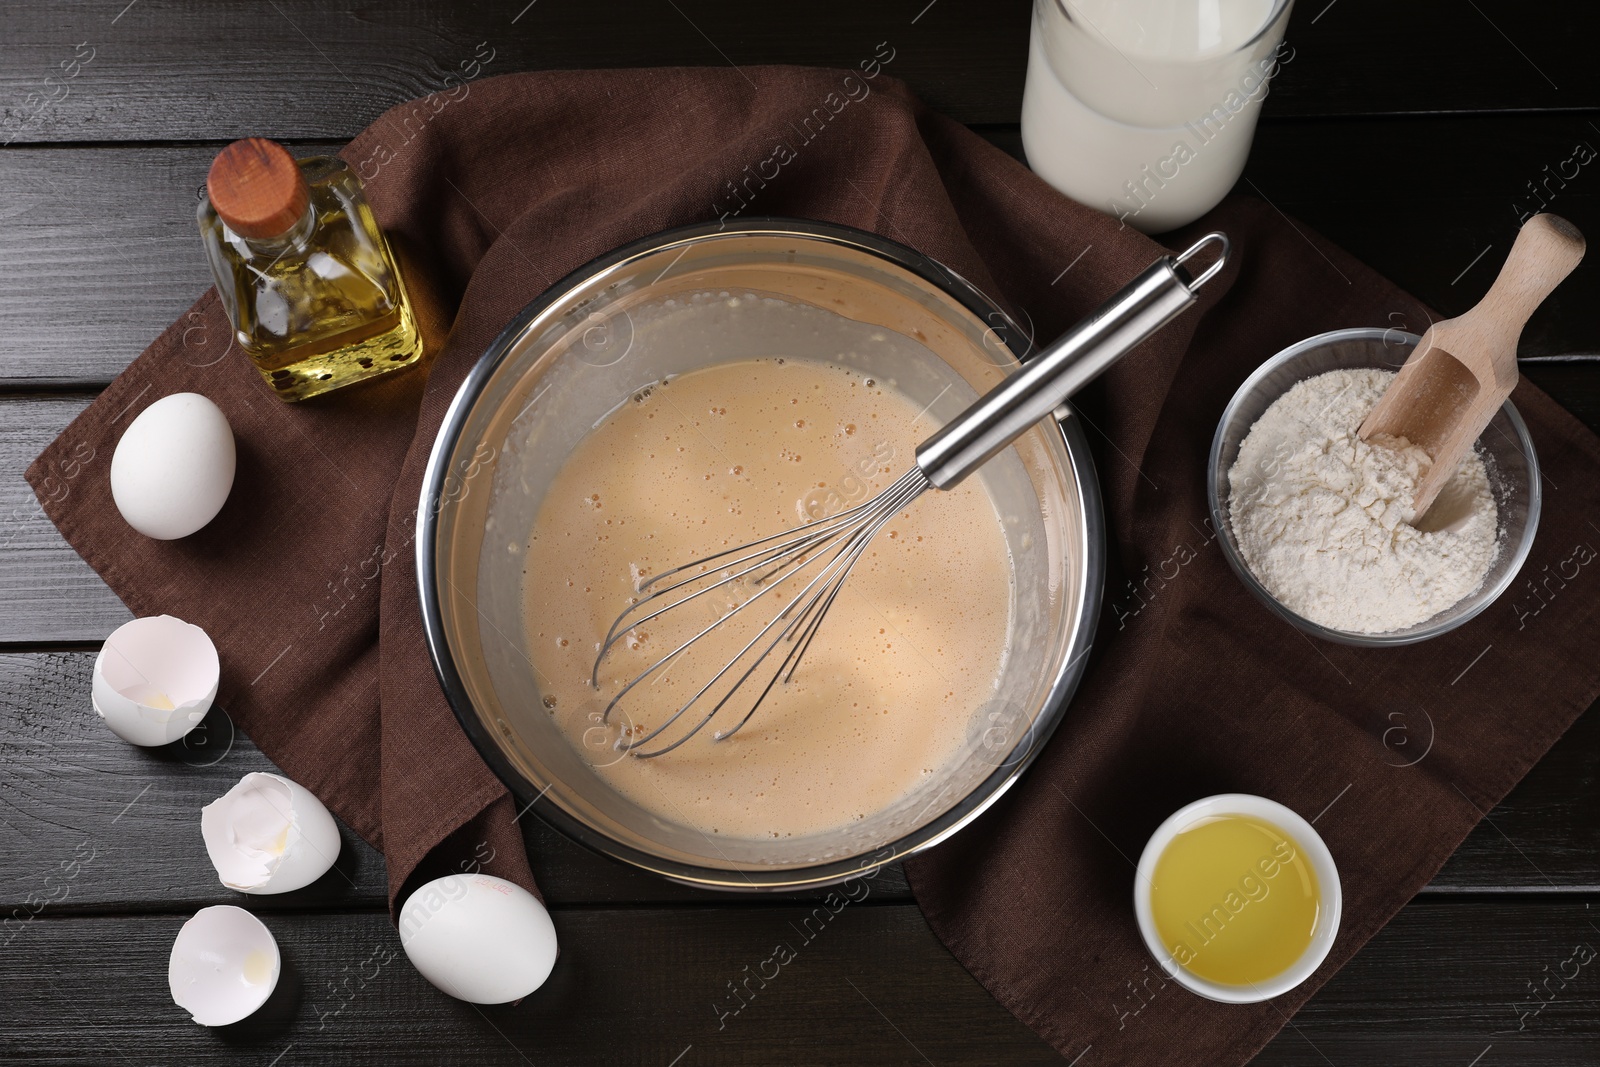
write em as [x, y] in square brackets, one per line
[1463, 369]
[1547, 249]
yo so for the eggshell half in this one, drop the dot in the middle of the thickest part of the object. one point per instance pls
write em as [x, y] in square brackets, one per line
[173, 467]
[224, 965]
[269, 835]
[154, 679]
[478, 938]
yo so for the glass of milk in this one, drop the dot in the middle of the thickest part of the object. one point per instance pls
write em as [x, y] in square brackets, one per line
[1145, 109]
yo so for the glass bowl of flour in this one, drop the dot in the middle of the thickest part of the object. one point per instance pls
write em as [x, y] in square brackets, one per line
[1317, 523]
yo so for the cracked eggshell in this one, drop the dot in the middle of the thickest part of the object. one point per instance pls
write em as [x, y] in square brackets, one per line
[155, 679]
[224, 965]
[173, 467]
[478, 938]
[269, 835]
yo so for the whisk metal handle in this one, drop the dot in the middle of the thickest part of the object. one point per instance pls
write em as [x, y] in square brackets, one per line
[1007, 411]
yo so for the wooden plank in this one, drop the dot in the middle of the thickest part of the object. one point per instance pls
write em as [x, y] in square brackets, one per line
[1384, 59]
[871, 985]
[70, 788]
[98, 255]
[309, 68]
[88, 71]
[1442, 235]
[1573, 380]
[639, 986]
[1427, 233]
[47, 593]
[1546, 834]
[99, 251]
[93, 823]
[1446, 980]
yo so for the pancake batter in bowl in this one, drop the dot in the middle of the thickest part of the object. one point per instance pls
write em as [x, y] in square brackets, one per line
[910, 651]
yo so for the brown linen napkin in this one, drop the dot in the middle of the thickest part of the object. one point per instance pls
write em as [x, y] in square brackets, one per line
[1196, 689]
[495, 190]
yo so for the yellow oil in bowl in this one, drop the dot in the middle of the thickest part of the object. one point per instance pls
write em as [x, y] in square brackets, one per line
[1234, 899]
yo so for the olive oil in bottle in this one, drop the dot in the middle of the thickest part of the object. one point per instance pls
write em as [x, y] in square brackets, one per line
[307, 279]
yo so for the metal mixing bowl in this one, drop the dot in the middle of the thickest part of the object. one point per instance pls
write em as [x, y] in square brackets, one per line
[1505, 446]
[664, 306]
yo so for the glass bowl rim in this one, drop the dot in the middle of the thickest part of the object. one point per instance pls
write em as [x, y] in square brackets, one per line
[746, 878]
[1485, 596]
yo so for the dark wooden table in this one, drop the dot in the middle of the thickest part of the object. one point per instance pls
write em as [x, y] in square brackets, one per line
[1412, 133]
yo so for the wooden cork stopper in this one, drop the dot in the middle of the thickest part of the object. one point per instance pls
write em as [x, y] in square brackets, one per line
[257, 188]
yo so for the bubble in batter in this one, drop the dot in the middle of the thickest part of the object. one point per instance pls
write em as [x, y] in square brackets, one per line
[719, 457]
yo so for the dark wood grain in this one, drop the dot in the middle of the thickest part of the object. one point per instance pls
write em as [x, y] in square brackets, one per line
[1546, 834]
[1361, 184]
[99, 252]
[342, 65]
[1394, 1004]
[47, 592]
[333, 68]
[70, 790]
[872, 985]
[1575, 380]
[1364, 185]
[69, 787]
[632, 986]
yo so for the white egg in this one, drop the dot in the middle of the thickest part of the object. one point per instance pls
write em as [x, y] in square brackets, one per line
[173, 467]
[224, 965]
[269, 835]
[154, 679]
[479, 938]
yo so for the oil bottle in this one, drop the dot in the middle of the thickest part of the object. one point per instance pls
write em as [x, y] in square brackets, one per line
[307, 279]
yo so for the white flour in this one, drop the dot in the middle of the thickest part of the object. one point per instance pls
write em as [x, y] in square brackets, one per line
[1319, 514]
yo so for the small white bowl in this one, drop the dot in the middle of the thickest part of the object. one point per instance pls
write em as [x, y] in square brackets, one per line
[1316, 852]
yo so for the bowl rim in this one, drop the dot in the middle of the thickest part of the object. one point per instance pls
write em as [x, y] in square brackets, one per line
[1090, 577]
[1222, 523]
[1317, 854]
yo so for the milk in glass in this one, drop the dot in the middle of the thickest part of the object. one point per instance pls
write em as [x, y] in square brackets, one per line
[1145, 109]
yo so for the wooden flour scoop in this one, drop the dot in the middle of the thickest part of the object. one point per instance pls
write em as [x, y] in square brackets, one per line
[1464, 368]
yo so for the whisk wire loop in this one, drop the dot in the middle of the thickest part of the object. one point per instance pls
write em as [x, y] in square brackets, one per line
[986, 428]
[838, 543]
[791, 551]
